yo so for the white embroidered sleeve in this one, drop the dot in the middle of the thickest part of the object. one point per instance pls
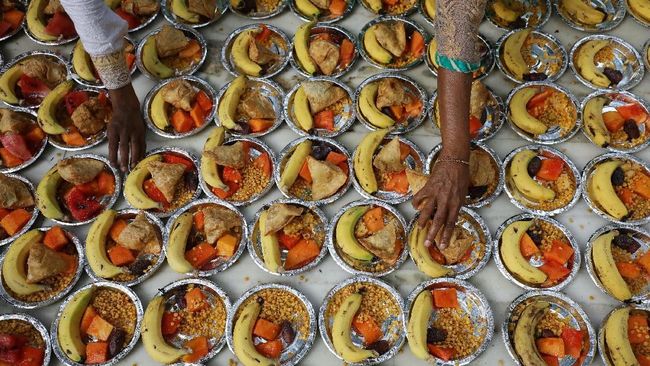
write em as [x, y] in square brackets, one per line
[102, 34]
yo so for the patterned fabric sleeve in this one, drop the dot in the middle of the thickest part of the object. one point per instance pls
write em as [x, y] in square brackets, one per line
[457, 23]
[102, 33]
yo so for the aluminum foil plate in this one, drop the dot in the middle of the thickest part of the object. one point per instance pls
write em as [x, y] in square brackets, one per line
[415, 160]
[170, 133]
[550, 57]
[563, 307]
[554, 134]
[392, 327]
[218, 264]
[376, 267]
[521, 201]
[411, 86]
[21, 304]
[640, 235]
[472, 302]
[292, 353]
[537, 261]
[530, 14]
[625, 59]
[342, 121]
[587, 175]
[107, 202]
[255, 244]
[257, 148]
[474, 224]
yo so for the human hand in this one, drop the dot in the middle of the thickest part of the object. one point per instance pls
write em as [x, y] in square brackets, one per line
[441, 199]
[126, 131]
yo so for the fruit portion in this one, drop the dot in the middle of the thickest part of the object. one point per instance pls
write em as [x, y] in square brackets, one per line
[263, 338]
[621, 263]
[393, 43]
[389, 102]
[170, 51]
[180, 107]
[204, 238]
[369, 238]
[76, 189]
[246, 107]
[291, 232]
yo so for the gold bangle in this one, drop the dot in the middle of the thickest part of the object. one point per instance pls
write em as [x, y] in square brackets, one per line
[452, 160]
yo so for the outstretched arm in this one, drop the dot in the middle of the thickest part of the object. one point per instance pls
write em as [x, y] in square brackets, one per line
[102, 34]
[458, 55]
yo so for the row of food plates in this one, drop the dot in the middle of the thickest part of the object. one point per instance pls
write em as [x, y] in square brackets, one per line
[362, 320]
[46, 22]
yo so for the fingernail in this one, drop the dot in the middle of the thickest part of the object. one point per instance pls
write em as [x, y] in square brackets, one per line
[427, 243]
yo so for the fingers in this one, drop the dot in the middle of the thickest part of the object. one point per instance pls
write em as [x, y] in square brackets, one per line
[113, 142]
[137, 150]
[452, 216]
[124, 150]
[438, 222]
[426, 211]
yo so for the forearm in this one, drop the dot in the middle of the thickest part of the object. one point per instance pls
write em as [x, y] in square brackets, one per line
[453, 101]
[102, 34]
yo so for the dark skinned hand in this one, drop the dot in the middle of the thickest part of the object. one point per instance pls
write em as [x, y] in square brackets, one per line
[443, 195]
[441, 199]
[126, 131]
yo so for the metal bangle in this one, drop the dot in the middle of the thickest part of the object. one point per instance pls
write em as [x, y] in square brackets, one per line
[452, 160]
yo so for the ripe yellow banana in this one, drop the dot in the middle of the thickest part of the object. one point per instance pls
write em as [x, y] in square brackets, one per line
[14, 266]
[418, 324]
[293, 165]
[512, 257]
[209, 169]
[369, 109]
[341, 331]
[243, 337]
[374, 49]
[301, 110]
[96, 246]
[46, 192]
[270, 246]
[178, 242]
[616, 339]
[504, 12]
[230, 101]
[585, 65]
[240, 58]
[602, 191]
[8, 81]
[519, 114]
[345, 237]
[69, 332]
[362, 161]
[524, 334]
[151, 61]
[601, 254]
[307, 8]
[583, 12]
[640, 8]
[301, 45]
[47, 112]
[421, 255]
[594, 124]
[133, 190]
[35, 21]
[158, 111]
[512, 57]
[152, 338]
[525, 184]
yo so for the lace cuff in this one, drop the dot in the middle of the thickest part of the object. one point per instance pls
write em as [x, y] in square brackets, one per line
[112, 69]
